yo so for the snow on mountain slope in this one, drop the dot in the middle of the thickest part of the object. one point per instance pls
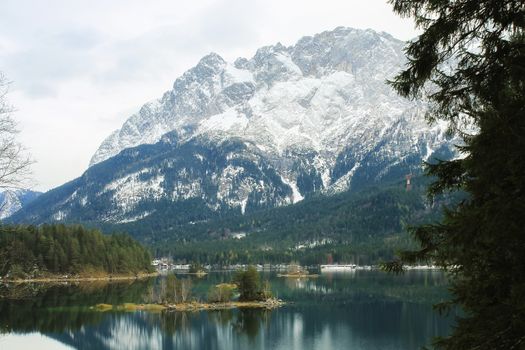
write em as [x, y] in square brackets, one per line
[316, 117]
[325, 93]
[13, 200]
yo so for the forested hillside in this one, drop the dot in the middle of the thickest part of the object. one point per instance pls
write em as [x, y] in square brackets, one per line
[29, 251]
[365, 227]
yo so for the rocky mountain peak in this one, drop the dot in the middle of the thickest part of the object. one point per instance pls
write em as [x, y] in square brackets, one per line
[345, 63]
[314, 117]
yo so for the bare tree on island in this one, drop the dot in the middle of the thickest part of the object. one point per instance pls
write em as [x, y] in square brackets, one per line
[15, 162]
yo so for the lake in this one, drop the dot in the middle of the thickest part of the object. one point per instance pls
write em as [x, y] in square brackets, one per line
[351, 310]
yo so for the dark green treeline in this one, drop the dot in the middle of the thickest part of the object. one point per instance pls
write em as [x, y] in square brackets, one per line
[30, 251]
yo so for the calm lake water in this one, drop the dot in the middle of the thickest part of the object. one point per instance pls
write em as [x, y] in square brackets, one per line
[358, 310]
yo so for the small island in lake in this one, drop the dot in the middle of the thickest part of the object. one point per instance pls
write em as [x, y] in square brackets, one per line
[175, 295]
[197, 269]
[194, 306]
[294, 270]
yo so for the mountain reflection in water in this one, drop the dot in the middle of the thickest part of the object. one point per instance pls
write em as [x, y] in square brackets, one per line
[364, 310]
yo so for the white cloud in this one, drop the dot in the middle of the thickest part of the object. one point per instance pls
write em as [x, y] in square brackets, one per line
[79, 68]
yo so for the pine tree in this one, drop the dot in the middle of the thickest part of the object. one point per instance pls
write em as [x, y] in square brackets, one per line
[249, 284]
[469, 63]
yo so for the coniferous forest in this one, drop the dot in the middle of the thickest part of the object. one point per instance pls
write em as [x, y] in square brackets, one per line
[366, 228]
[481, 240]
[30, 251]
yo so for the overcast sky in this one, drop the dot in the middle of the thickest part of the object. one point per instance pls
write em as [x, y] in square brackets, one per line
[80, 68]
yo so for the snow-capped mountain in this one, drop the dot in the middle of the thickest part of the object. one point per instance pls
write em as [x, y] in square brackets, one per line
[314, 117]
[13, 200]
[323, 94]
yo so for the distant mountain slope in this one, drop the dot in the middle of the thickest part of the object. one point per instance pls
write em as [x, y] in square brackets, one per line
[289, 123]
[197, 181]
[324, 94]
[370, 224]
[13, 200]
[348, 216]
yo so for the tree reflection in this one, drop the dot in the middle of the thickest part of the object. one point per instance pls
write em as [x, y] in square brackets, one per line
[56, 308]
[221, 317]
[375, 309]
[250, 321]
[171, 322]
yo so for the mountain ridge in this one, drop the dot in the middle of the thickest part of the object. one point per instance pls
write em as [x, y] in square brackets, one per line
[13, 200]
[314, 117]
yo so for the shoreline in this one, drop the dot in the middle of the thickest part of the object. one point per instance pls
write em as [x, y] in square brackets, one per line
[198, 274]
[192, 306]
[54, 279]
[305, 275]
